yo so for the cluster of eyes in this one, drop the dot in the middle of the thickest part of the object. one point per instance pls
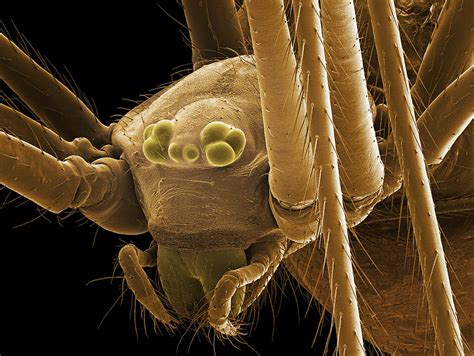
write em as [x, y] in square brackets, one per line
[222, 144]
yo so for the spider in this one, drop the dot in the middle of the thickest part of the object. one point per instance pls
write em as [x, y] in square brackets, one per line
[185, 143]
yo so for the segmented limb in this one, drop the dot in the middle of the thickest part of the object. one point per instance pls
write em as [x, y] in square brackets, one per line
[448, 54]
[447, 117]
[443, 122]
[31, 131]
[56, 106]
[283, 108]
[244, 24]
[349, 100]
[214, 29]
[415, 178]
[103, 190]
[132, 260]
[332, 221]
[262, 257]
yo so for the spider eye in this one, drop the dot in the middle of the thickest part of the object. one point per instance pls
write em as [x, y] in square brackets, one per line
[147, 131]
[222, 143]
[214, 131]
[163, 131]
[175, 151]
[153, 150]
[220, 154]
[236, 138]
[157, 139]
[190, 153]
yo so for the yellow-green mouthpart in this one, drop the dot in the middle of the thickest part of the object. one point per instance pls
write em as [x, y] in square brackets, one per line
[189, 277]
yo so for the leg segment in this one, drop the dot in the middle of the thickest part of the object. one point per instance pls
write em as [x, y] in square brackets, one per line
[132, 260]
[263, 256]
[283, 108]
[447, 117]
[254, 290]
[55, 105]
[214, 29]
[31, 131]
[333, 223]
[102, 190]
[442, 124]
[448, 54]
[415, 178]
[350, 104]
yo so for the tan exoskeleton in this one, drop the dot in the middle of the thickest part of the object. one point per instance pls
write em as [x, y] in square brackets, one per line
[249, 159]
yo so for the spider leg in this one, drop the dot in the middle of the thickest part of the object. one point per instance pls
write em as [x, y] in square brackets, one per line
[448, 54]
[132, 260]
[263, 256]
[415, 178]
[53, 102]
[447, 117]
[289, 150]
[214, 29]
[255, 289]
[31, 131]
[102, 190]
[244, 24]
[440, 126]
[352, 116]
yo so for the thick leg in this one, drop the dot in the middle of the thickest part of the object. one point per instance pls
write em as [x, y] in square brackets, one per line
[215, 30]
[102, 190]
[415, 178]
[31, 131]
[447, 117]
[332, 216]
[350, 104]
[132, 260]
[283, 108]
[448, 54]
[263, 256]
[55, 105]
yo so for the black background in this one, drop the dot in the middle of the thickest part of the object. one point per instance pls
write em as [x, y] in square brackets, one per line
[114, 53]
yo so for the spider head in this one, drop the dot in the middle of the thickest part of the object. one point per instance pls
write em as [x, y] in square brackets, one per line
[198, 157]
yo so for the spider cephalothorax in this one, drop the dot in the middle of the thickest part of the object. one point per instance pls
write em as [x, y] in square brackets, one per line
[188, 204]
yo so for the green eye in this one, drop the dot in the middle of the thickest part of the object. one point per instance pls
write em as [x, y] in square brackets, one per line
[153, 150]
[175, 151]
[214, 131]
[236, 138]
[163, 131]
[222, 143]
[220, 154]
[190, 152]
[147, 131]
